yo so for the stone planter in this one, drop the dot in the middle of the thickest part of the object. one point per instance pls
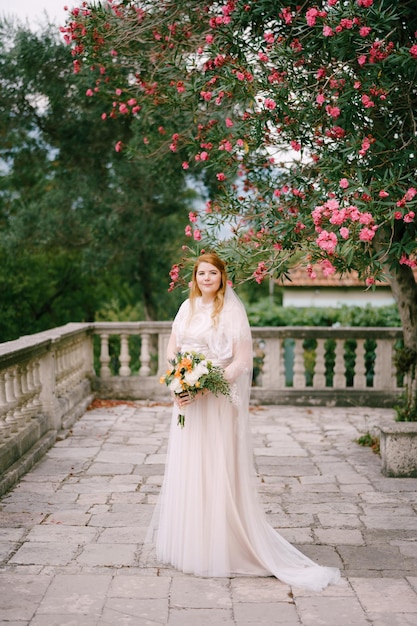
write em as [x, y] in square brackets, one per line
[398, 444]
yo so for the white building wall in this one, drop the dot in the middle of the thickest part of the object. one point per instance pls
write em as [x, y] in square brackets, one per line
[328, 297]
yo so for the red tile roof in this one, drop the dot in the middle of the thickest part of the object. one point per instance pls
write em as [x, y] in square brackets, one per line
[298, 277]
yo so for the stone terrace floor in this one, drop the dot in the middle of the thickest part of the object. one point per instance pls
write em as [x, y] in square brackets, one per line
[72, 530]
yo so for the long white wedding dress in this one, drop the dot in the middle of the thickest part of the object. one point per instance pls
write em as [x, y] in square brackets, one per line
[209, 520]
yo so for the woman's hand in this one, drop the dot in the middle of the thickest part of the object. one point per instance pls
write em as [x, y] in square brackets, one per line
[184, 398]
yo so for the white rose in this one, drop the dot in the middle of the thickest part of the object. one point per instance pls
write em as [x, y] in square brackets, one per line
[175, 385]
[192, 377]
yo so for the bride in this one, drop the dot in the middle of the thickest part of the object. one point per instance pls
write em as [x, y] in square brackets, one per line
[208, 520]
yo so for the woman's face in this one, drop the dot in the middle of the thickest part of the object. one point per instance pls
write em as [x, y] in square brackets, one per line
[208, 279]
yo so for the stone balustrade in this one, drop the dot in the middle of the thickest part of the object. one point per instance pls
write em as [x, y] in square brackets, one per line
[48, 379]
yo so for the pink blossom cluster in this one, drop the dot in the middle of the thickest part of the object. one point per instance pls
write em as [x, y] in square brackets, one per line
[174, 275]
[406, 260]
[336, 215]
[195, 234]
[260, 272]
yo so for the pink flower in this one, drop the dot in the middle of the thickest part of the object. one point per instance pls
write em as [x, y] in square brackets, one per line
[240, 76]
[364, 31]
[370, 280]
[89, 93]
[192, 216]
[404, 260]
[204, 156]
[365, 3]
[311, 16]
[311, 273]
[328, 268]
[259, 273]
[220, 176]
[320, 99]
[119, 146]
[398, 215]
[366, 234]
[197, 235]
[113, 53]
[269, 37]
[333, 111]
[295, 146]
[228, 122]
[104, 116]
[270, 104]
[410, 193]
[413, 51]
[327, 31]
[174, 272]
[366, 219]
[209, 39]
[409, 217]
[354, 213]
[123, 108]
[188, 230]
[185, 165]
[366, 144]
[327, 241]
[344, 232]
[338, 217]
[362, 59]
[383, 194]
[206, 95]
[344, 183]
[367, 102]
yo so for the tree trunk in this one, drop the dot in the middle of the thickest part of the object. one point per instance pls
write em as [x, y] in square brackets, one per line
[404, 289]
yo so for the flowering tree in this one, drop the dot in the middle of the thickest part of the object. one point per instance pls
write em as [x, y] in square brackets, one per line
[304, 115]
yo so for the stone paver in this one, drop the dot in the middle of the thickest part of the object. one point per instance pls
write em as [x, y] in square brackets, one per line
[72, 530]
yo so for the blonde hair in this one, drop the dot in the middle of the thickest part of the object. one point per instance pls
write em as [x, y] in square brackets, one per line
[214, 259]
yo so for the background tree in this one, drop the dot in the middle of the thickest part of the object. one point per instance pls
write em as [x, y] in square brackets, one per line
[81, 229]
[305, 113]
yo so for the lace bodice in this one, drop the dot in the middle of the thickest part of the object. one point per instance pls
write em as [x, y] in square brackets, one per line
[228, 343]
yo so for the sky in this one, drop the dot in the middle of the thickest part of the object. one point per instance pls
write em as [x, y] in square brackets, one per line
[34, 10]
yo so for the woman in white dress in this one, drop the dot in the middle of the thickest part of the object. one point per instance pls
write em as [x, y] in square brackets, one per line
[209, 520]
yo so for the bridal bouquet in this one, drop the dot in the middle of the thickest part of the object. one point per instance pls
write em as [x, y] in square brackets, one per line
[192, 372]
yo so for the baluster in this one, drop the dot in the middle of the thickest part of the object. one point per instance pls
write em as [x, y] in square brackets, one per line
[11, 399]
[31, 389]
[80, 366]
[65, 379]
[272, 364]
[282, 373]
[105, 371]
[58, 371]
[124, 356]
[18, 393]
[319, 378]
[359, 378]
[37, 387]
[25, 408]
[339, 379]
[72, 366]
[5, 428]
[299, 380]
[145, 358]
[384, 372]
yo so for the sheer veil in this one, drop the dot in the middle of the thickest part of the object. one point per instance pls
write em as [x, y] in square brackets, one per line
[209, 518]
